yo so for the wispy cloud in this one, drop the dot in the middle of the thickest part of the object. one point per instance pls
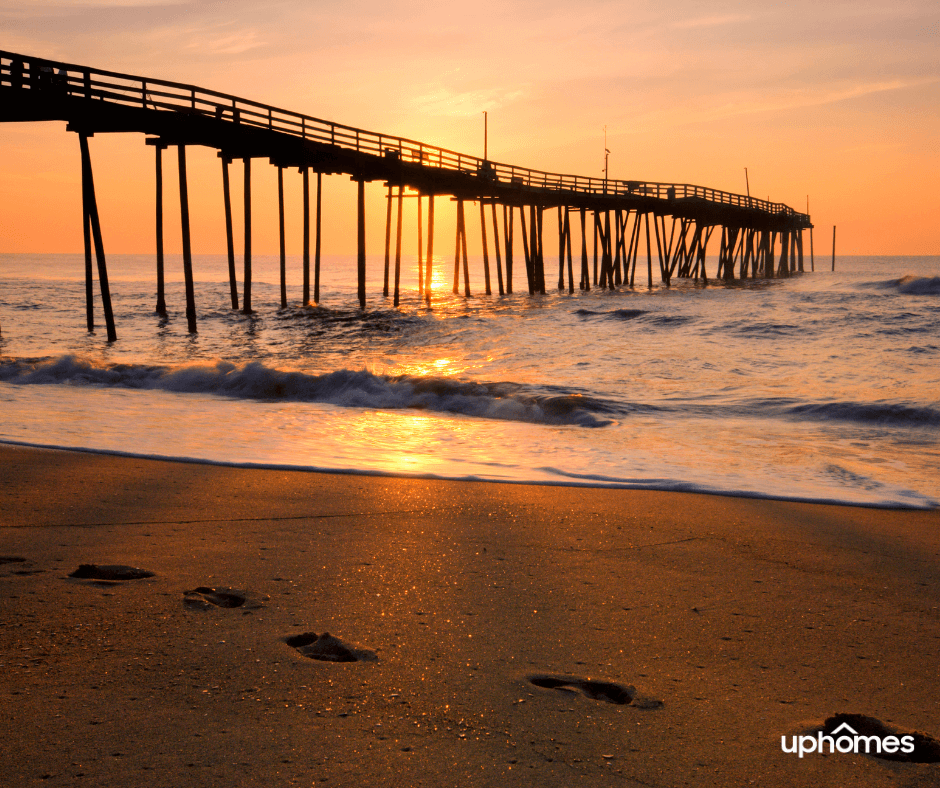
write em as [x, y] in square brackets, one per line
[443, 101]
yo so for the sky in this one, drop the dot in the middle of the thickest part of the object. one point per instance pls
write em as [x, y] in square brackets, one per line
[831, 104]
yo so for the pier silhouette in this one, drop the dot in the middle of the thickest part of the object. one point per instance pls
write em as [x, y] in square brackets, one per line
[674, 222]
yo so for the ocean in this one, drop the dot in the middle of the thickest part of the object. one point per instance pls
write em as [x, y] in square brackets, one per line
[823, 386]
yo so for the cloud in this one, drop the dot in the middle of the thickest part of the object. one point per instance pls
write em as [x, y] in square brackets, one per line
[443, 101]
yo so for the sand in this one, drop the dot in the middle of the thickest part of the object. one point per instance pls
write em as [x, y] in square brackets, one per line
[519, 635]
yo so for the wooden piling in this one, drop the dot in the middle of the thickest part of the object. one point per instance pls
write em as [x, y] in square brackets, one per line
[246, 287]
[508, 234]
[161, 284]
[833, 247]
[91, 215]
[398, 244]
[316, 243]
[430, 261]
[568, 249]
[89, 276]
[420, 249]
[540, 256]
[187, 248]
[388, 236]
[486, 253]
[229, 233]
[361, 240]
[306, 243]
[812, 258]
[526, 251]
[499, 261]
[649, 253]
[561, 250]
[463, 244]
[585, 273]
[280, 205]
[456, 288]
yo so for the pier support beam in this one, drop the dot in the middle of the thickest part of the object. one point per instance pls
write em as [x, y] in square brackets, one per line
[229, 234]
[280, 205]
[499, 262]
[161, 284]
[486, 252]
[430, 262]
[508, 238]
[361, 240]
[187, 247]
[388, 237]
[316, 243]
[90, 209]
[420, 248]
[305, 171]
[398, 244]
[585, 273]
[246, 294]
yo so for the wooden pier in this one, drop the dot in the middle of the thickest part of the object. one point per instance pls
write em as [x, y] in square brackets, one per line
[623, 222]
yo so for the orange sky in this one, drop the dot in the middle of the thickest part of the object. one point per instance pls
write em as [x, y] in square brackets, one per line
[837, 101]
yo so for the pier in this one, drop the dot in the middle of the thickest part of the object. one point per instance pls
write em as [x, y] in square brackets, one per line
[606, 228]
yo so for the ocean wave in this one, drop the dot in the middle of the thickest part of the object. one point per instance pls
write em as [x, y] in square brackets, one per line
[911, 285]
[346, 388]
[884, 413]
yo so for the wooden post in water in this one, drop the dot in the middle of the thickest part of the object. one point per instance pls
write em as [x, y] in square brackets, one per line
[361, 240]
[486, 253]
[229, 234]
[246, 295]
[508, 233]
[561, 250]
[305, 171]
[316, 243]
[429, 265]
[463, 245]
[618, 247]
[525, 249]
[388, 236]
[457, 247]
[91, 215]
[540, 257]
[585, 273]
[568, 249]
[89, 275]
[833, 247]
[649, 253]
[161, 285]
[420, 249]
[187, 248]
[398, 244]
[812, 259]
[499, 261]
[280, 205]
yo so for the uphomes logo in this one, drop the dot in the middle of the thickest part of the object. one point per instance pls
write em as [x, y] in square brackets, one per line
[846, 739]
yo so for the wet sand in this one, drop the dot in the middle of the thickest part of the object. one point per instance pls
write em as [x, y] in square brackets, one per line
[501, 635]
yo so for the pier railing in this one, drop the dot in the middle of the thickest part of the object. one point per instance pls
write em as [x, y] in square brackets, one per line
[29, 73]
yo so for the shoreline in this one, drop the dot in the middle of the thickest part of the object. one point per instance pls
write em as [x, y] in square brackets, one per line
[588, 484]
[746, 619]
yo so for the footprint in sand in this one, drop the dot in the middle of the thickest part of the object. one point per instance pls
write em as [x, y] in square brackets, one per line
[608, 691]
[205, 598]
[328, 648]
[15, 560]
[113, 573]
[926, 747]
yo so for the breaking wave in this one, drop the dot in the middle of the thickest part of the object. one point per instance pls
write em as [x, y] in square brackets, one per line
[347, 388]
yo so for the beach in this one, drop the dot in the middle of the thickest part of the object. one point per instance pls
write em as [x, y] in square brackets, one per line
[507, 634]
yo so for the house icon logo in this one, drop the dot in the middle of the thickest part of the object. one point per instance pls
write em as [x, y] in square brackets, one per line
[845, 739]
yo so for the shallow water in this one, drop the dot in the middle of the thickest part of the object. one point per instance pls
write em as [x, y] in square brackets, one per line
[823, 386]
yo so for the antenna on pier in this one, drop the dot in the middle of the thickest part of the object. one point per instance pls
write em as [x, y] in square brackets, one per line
[606, 155]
